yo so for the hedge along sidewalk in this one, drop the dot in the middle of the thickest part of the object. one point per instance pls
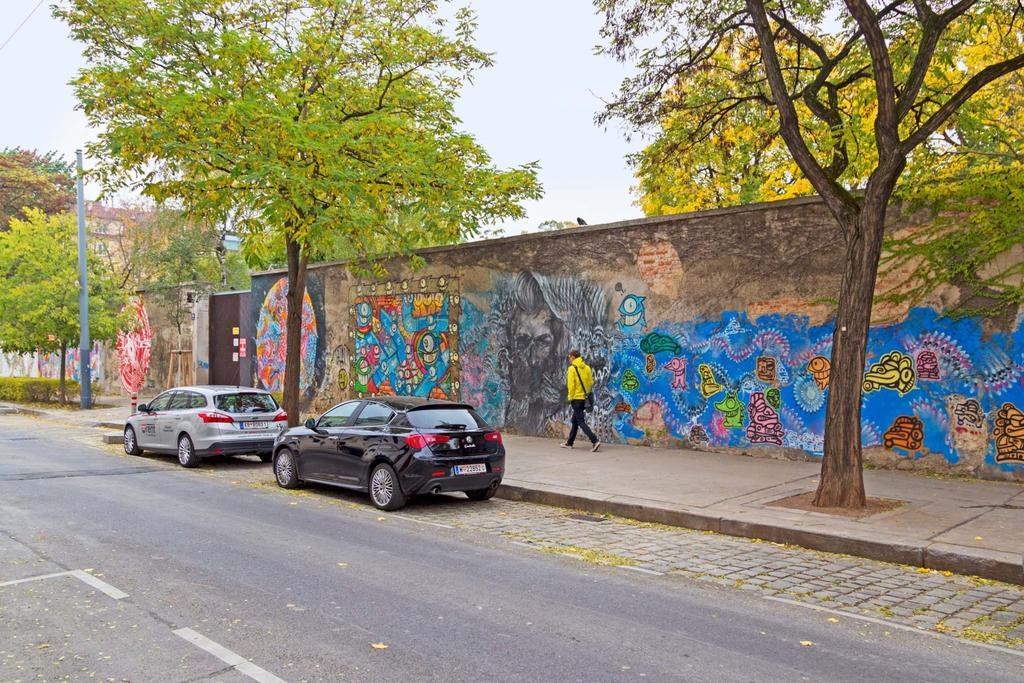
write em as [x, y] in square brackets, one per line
[35, 389]
[965, 526]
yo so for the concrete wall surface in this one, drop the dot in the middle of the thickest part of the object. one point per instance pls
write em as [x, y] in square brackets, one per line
[708, 330]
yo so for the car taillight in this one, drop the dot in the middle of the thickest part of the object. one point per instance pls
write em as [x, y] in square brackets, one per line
[215, 417]
[493, 436]
[281, 417]
[421, 441]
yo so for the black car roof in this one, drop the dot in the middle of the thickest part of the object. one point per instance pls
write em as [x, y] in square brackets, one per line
[407, 403]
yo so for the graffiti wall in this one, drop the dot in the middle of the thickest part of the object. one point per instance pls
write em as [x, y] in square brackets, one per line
[932, 387]
[47, 365]
[515, 344]
[405, 338]
[270, 309]
[709, 330]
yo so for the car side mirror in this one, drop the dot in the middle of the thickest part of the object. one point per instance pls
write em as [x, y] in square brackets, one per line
[143, 408]
[310, 424]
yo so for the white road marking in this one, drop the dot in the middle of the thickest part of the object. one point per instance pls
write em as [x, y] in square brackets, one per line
[84, 577]
[643, 570]
[894, 625]
[33, 578]
[99, 585]
[232, 659]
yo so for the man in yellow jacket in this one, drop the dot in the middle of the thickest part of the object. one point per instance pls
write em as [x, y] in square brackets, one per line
[580, 381]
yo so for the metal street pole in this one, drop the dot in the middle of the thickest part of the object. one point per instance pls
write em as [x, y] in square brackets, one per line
[84, 371]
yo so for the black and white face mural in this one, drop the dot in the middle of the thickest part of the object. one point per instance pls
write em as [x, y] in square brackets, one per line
[515, 355]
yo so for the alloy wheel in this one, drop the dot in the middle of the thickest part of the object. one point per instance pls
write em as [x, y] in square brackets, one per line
[284, 469]
[129, 440]
[184, 451]
[382, 486]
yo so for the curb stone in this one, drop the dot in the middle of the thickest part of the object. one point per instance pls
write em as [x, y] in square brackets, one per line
[986, 564]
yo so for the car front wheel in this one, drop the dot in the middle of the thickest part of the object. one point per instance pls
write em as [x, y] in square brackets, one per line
[131, 444]
[187, 452]
[385, 491]
[285, 471]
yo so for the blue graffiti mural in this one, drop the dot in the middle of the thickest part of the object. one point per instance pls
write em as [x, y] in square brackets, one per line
[764, 383]
[403, 340]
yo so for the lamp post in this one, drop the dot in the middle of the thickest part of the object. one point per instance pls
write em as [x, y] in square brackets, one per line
[84, 370]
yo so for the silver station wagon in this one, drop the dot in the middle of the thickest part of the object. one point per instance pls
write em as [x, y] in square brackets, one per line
[203, 421]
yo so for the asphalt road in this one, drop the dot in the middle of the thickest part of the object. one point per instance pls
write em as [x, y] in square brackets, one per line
[303, 590]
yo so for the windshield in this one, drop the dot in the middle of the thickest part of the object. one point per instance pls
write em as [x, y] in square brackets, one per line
[446, 418]
[245, 403]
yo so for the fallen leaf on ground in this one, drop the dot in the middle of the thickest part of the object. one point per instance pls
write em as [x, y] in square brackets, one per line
[381, 519]
[978, 538]
[833, 620]
[343, 564]
[293, 503]
[378, 646]
[806, 643]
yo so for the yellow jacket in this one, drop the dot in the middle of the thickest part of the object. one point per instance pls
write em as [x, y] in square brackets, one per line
[577, 391]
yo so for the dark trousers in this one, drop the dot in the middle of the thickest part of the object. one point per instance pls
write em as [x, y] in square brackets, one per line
[579, 421]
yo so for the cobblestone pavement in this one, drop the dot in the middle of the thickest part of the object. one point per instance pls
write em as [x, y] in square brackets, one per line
[968, 607]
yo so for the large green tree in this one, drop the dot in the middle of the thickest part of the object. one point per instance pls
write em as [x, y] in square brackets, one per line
[806, 63]
[39, 299]
[30, 179]
[309, 121]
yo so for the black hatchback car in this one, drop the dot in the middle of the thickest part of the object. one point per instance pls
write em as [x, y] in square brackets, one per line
[394, 448]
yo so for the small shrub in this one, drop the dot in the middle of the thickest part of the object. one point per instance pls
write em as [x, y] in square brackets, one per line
[34, 389]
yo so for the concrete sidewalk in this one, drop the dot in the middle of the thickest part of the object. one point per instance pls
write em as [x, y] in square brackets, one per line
[965, 526]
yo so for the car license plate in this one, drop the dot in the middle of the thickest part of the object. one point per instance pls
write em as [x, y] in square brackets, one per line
[254, 425]
[478, 468]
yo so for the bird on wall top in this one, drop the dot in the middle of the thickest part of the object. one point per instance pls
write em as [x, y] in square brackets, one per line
[580, 221]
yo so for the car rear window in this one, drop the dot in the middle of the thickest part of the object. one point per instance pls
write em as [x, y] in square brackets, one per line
[446, 418]
[245, 402]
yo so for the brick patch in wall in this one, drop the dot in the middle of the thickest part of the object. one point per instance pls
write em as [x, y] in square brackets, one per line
[660, 267]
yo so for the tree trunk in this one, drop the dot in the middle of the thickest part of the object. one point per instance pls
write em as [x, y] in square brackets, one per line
[293, 330]
[62, 392]
[842, 477]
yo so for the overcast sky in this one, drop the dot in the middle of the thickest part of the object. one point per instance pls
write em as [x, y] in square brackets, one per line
[536, 104]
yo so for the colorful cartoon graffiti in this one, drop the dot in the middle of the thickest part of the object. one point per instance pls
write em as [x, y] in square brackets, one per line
[907, 432]
[894, 371]
[821, 369]
[1008, 434]
[135, 347]
[271, 342]
[698, 435]
[732, 408]
[927, 365]
[708, 385]
[766, 369]
[677, 366]
[632, 313]
[406, 343]
[774, 397]
[969, 416]
[659, 343]
[764, 426]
